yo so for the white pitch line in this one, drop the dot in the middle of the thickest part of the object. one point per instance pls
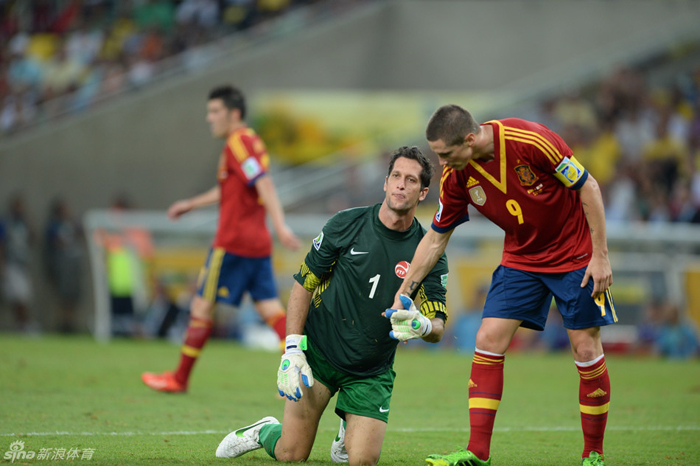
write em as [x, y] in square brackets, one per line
[408, 430]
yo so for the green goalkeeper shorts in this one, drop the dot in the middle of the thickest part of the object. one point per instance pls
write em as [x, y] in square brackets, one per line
[362, 396]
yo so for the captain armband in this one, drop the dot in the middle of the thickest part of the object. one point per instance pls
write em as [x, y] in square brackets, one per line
[571, 173]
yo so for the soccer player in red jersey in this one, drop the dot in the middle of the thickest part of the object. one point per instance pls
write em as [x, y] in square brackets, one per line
[239, 260]
[524, 178]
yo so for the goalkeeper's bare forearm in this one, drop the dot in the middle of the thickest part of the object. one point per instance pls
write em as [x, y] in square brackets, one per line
[298, 309]
[438, 331]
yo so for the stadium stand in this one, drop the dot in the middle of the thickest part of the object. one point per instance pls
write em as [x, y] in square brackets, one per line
[62, 57]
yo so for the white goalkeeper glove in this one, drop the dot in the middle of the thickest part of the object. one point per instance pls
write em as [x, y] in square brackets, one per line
[292, 366]
[408, 323]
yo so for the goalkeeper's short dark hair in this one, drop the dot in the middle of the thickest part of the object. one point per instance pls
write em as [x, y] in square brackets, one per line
[231, 97]
[414, 153]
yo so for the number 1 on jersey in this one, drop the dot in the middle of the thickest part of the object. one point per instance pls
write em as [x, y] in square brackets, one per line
[374, 281]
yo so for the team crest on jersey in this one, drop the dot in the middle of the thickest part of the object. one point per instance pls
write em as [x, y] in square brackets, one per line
[525, 175]
[401, 269]
[478, 195]
[318, 240]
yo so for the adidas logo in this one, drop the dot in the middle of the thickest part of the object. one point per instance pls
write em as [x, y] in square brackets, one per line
[597, 394]
[472, 384]
[471, 182]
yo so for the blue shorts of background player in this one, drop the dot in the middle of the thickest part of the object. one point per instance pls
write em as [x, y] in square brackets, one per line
[527, 296]
[225, 277]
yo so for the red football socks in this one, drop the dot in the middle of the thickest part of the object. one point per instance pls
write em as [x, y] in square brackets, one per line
[485, 390]
[278, 323]
[198, 332]
[594, 400]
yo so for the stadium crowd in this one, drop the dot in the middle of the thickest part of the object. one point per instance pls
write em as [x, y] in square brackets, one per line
[642, 144]
[62, 56]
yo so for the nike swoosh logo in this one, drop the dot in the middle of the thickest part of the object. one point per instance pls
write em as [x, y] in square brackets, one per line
[382, 410]
[355, 253]
[239, 433]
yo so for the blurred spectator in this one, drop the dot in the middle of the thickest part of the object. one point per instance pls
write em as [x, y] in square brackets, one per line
[664, 158]
[677, 338]
[634, 130]
[128, 254]
[24, 72]
[573, 110]
[158, 13]
[202, 13]
[600, 154]
[649, 327]
[120, 264]
[63, 74]
[682, 207]
[63, 253]
[16, 111]
[621, 197]
[18, 238]
[168, 312]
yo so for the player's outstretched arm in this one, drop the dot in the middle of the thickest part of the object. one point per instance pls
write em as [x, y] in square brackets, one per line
[183, 206]
[294, 370]
[428, 252]
[268, 193]
[599, 269]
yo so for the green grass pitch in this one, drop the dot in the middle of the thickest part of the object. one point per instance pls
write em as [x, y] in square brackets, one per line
[76, 394]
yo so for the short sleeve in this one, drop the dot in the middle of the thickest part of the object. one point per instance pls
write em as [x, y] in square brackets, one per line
[323, 254]
[248, 155]
[452, 205]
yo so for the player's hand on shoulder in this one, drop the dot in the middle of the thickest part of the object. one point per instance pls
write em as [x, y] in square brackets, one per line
[294, 370]
[407, 322]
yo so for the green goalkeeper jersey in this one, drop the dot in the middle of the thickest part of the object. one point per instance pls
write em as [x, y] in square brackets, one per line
[356, 265]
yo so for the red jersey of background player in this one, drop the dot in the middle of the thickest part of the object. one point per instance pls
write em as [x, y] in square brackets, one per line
[242, 230]
[529, 190]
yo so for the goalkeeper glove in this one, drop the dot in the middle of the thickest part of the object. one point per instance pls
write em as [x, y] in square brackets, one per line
[294, 364]
[408, 323]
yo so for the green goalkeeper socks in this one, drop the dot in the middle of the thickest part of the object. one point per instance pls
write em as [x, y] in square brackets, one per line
[269, 435]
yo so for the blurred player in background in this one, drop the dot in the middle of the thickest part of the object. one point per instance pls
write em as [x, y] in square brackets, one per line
[17, 238]
[239, 259]
[524, 178]
[336, 332]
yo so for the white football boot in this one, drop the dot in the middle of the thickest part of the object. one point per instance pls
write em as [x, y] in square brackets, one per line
[338, 452]
[241, 441]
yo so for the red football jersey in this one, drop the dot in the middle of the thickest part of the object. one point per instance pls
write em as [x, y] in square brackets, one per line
[529, 190]
[242, 230]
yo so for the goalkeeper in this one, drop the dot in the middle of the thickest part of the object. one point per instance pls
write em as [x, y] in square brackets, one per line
[341, 338]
